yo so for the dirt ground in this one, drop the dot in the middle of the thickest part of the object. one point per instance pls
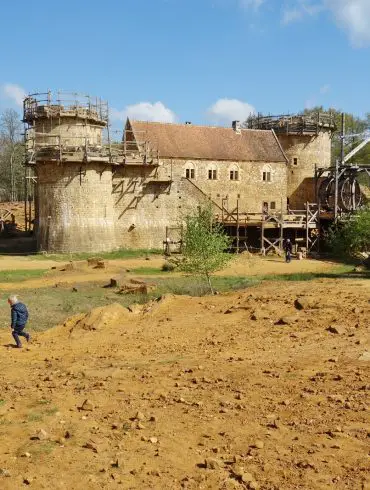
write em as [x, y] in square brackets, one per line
[266, 388]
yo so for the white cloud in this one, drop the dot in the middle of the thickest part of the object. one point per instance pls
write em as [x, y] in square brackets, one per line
[145, 111]
[227, 110]
[325, 89]
[298, 9]
[351, 15]
[14, 93]
[354, 17]
[255, 4]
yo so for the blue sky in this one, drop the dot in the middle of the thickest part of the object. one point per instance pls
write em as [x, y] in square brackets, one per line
[205, 61]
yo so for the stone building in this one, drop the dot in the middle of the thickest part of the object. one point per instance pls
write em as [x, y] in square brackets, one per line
[95, 195]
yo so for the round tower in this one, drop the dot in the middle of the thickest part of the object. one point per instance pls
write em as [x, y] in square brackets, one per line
[74, 203]
[306, 141]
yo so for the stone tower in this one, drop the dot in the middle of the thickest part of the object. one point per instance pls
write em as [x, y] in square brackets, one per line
[306, 141]
[74, 204]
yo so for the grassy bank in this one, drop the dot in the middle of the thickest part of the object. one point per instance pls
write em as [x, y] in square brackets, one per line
[117, 254]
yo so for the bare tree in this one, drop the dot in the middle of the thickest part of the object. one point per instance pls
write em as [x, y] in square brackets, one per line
[11, 149]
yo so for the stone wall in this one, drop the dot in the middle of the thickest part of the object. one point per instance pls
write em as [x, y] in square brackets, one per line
[75, 211]
[147, 199]
[304, 152]
[69, 130]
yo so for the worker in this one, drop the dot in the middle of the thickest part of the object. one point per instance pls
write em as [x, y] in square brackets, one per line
[19, 317]
[288, 247]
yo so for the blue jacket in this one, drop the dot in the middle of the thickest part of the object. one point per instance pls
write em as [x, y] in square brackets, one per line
[19, 314]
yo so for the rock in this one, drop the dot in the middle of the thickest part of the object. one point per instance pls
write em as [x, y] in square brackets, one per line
[26, 455]
[100, 265]
[87, 406]
[71, 266]
[213, 463]
[259, 444]
[336, 329]
[41, 435]
[135, 308]
[365, 356]
[241, 474]
[5, 473]
[74, 289]
[260, 314]
[93, 261]
[303, 304]
[27, 480]
[139, 416]
[153, 440]
[287, 320]
[91, 445]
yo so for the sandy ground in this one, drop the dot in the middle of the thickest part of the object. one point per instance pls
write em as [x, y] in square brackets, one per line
[236, 391]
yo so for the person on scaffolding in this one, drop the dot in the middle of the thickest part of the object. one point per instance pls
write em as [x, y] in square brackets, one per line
[288, 248]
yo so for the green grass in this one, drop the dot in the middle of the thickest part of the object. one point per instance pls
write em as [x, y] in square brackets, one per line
[20, 275]
[2, 402]
[122, 253]
[149, 271]
[339, 272]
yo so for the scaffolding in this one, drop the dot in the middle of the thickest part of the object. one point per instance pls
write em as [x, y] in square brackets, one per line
[299, 124]
[304, 222]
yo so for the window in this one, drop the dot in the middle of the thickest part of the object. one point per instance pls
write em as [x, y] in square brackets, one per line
[273, 205]
[234, 172]
[190, 173]
[295, 161]
[212, 174]
[266, 176]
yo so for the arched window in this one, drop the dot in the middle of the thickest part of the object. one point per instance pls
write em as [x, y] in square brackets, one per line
[234, 173]
[212, 172]
[190, 170]
[267, 173]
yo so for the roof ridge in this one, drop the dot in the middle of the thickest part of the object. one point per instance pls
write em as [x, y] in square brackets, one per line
[182, 125]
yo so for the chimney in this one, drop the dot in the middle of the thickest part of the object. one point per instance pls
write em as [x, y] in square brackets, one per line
[236, 127]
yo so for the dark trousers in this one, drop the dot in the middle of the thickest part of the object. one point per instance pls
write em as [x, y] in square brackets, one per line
[288, 256]
[19, 332]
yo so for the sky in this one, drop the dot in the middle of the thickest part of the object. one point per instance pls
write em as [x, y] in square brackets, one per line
[204, 61]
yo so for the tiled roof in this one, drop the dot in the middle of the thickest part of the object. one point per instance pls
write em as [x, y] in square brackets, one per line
[207, 142]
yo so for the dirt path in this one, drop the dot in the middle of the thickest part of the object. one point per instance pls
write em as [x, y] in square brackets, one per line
[237, 391]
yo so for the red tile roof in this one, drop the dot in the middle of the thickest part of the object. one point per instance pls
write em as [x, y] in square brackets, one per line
[207, 142]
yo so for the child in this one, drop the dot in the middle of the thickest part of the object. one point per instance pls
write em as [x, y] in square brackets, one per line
[19, 317]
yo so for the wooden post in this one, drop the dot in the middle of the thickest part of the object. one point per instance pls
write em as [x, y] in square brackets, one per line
[237, 226]
[262, 234]
[307, 228]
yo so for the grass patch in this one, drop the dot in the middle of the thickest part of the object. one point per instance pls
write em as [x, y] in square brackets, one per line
[339, 272]
[122, 253]
[35, 417]
[20, 275]
[2, 402]
[149, 271]
[195, 286]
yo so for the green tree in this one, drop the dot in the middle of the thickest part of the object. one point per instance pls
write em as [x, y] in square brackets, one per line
[350, 237]
[205, 243]
[353, 125]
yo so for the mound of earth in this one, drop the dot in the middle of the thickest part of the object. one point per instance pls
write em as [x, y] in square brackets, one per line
[266, 388]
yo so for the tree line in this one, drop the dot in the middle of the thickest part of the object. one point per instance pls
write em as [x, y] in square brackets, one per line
[11, 156]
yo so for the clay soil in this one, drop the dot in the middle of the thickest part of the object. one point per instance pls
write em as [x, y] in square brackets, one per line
[243, 390]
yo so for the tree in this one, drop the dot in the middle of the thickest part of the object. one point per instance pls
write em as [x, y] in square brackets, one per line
[350, 237]
[355, 126]
[205, 243]
[11, 155]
